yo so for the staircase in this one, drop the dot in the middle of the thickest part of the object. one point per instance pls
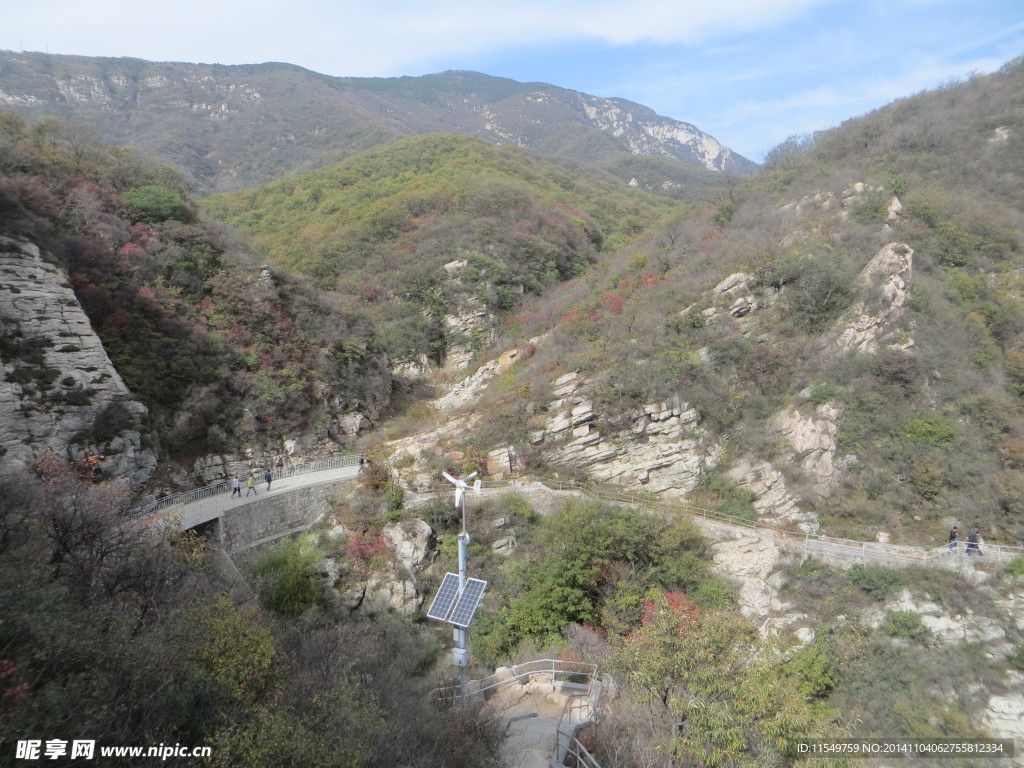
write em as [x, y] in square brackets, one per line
[542, 705]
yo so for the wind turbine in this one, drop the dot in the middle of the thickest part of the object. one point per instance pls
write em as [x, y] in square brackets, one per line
[461, 488]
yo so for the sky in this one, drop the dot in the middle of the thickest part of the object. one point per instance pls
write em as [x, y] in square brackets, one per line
[749, 72]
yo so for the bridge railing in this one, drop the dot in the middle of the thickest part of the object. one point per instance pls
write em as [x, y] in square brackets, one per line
[997, 554]
[224, 486]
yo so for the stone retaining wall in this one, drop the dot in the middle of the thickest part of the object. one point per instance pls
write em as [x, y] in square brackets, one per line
[276, 515]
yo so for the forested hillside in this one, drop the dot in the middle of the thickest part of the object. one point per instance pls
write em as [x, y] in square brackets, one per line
[224, 353]
[834, 344]
[378, 228]
[874, 297]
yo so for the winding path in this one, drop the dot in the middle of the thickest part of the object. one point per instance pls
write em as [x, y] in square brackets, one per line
[201, 505]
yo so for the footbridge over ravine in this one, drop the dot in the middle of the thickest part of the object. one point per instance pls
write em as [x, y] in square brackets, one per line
[298, 495]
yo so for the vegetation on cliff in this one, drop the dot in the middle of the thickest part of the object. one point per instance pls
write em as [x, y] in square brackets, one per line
[222, 353]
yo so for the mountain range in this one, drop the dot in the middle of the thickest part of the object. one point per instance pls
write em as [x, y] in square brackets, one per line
[833, 344]
[230, 127]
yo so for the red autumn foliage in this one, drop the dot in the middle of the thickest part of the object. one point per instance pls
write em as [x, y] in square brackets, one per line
[651, 278]
[132, 251]
[682, 609]
[118, 320]
[142, 234]
[364, 548]
[613, 302]
[575, 315]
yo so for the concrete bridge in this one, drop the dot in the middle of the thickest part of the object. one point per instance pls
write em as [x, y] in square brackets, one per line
[297, 496]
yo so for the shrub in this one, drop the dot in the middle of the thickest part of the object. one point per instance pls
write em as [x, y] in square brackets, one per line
[440, 514]
[876, 580]
[926, 477]
[930, 429]
[517, 506]
[906, 625]
[723, 495]
[395, 496]
[289, 577]
[1017, 659]
[823, 392]
[1014, 569]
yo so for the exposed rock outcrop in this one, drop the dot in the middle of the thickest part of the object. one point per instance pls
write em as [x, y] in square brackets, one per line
[949, 629]
[413, 542]
[750, 558]
[866, 326]
[772, 501]
[662, 452]
[813, 440]
[60, 392]
[394, 590]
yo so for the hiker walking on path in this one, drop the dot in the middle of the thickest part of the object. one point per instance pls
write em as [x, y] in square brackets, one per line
[236, 488]
[954, 539]
[267, 477]
[973, 541]
[250, 486]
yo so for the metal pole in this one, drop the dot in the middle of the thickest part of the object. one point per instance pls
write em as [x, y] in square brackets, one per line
[460, 634]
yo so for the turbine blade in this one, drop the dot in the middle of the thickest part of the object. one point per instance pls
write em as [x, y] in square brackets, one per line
[449, 478]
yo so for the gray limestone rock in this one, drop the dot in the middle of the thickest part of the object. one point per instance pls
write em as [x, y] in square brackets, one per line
[59, 391]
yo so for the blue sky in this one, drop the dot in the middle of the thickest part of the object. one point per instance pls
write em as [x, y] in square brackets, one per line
[749, 72]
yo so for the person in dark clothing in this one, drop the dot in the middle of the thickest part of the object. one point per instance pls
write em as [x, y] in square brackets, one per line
[972, 542]
[954, 538]
[267, 477]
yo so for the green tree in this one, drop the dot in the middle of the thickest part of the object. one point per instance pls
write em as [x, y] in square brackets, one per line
[154, 204]
[718, 696]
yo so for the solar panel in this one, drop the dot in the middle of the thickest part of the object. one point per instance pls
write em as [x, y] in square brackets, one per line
[468, 601]
[445, 598]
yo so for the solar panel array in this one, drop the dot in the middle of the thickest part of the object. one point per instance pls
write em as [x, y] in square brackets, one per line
[445, 598]
[468, 601]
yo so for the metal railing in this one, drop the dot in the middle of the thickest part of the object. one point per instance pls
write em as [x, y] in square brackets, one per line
[224, 486]
[579, 707]
[889, 554]
[578, 712]
[560, 670]
[997, 554]
[897, 555]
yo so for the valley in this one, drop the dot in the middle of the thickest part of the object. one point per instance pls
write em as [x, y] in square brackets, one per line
[722, 413]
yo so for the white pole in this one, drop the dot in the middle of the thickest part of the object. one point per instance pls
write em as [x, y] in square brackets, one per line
[460, 634]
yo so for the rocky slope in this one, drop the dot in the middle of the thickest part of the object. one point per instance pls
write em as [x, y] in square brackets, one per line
[60, 391]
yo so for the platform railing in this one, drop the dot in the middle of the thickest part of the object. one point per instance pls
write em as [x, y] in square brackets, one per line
[560, 670]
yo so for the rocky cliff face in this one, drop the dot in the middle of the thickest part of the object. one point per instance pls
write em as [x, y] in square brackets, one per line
[60, 392]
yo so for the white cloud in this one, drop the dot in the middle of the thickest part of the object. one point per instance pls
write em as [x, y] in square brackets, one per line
[365, 38]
